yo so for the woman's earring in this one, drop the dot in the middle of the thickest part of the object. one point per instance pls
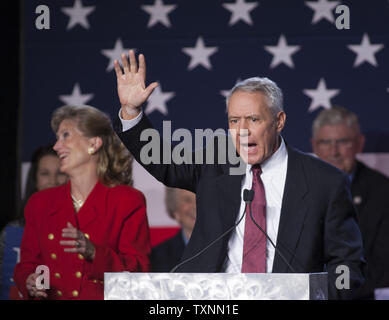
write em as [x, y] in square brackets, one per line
[91, 150]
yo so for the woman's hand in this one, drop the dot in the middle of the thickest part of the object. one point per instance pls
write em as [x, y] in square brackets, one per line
[79, 244]
[33, 291]
[132, 90]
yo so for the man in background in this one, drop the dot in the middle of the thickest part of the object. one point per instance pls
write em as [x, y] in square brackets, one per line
[181, 206]
[337, 139]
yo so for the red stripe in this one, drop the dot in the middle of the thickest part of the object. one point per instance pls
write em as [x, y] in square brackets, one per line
[160, 234]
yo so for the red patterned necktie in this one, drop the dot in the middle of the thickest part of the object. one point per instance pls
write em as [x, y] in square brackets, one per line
[254, 241]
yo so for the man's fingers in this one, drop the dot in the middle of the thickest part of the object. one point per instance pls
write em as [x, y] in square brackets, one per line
[142, 66]
[125, 64]
[150, 88]
[118, 70]
[133, 64]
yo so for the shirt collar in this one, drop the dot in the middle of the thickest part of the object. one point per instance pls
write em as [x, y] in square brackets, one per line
[274, 160]
[184, 238]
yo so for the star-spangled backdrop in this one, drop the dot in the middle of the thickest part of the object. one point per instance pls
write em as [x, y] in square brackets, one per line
[197, 50]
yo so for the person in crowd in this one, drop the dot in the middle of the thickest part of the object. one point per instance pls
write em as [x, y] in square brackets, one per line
[43, 173]
[181, 206]
[95, 223]
[299, 201]
[337, 139]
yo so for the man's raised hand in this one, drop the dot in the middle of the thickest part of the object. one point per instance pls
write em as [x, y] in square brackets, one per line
[132, 90]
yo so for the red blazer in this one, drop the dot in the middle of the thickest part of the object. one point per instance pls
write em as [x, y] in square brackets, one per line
[115, 221]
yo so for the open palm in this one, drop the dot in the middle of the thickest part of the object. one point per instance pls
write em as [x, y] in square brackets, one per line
[132, 90]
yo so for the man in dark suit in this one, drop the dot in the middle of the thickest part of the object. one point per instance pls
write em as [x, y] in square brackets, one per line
[302, 203]
[181, 206]
[337, 139]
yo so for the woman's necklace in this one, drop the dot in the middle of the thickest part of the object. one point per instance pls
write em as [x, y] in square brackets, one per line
[77, 203]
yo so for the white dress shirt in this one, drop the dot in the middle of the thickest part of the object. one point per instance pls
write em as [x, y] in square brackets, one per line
[128, 124]
[273, 177]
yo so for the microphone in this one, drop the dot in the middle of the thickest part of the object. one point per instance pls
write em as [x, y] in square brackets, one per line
[248, 196]
[267, 236]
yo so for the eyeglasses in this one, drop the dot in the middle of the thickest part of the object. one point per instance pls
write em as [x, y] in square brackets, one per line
[341, 143]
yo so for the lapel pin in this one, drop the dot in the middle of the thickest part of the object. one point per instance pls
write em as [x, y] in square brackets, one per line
[357, 200]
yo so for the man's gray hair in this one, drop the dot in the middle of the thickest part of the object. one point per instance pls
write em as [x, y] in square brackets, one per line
[335, 116]
[265, 86]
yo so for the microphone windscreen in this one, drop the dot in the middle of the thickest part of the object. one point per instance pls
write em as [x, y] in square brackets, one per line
[248, 195]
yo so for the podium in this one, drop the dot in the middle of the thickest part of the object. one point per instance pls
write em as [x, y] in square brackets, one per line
[215, 286]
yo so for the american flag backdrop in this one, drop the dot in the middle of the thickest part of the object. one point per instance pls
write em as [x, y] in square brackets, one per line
[197, 50]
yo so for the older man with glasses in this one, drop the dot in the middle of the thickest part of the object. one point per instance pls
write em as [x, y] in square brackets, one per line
[337, 139]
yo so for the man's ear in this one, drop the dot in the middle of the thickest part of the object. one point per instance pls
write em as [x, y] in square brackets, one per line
[361, 142]
[177, 216]
[280, 120]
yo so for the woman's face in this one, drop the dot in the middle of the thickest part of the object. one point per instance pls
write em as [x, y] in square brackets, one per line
[48, 174]
[72, 148]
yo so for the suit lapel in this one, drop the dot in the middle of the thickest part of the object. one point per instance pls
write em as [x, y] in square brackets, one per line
[293, 212]
[62, 210]
[229, 199]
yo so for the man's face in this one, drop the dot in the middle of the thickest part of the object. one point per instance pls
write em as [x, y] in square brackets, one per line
[338, 145]
[254, 129]
[186, 209]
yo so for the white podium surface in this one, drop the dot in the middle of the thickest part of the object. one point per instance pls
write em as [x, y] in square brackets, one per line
[215, 286]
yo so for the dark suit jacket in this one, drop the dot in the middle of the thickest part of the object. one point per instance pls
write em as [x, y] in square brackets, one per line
[370, 191]
[166, 255]
[317, 230]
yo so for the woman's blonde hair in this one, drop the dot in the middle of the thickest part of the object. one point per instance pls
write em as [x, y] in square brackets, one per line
[114, 164]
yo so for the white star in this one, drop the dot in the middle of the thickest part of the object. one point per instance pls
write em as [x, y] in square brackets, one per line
[200, 54]
[78, 14]
[114, 53]
[157, 101]
[76, 98]
[158, 13]
[240, 11]
[323, 9]
[365, 51]
[225, 93]
[320, 96]
[282, 53]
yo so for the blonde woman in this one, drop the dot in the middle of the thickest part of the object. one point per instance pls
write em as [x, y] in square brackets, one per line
[95, 223]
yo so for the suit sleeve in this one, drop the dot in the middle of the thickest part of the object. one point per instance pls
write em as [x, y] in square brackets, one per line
[30, 253]
[379, 266]
[184, 176]
[343, 245]
[133, 247]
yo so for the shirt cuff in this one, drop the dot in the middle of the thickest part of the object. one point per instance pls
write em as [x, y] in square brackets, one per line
[128, 124]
